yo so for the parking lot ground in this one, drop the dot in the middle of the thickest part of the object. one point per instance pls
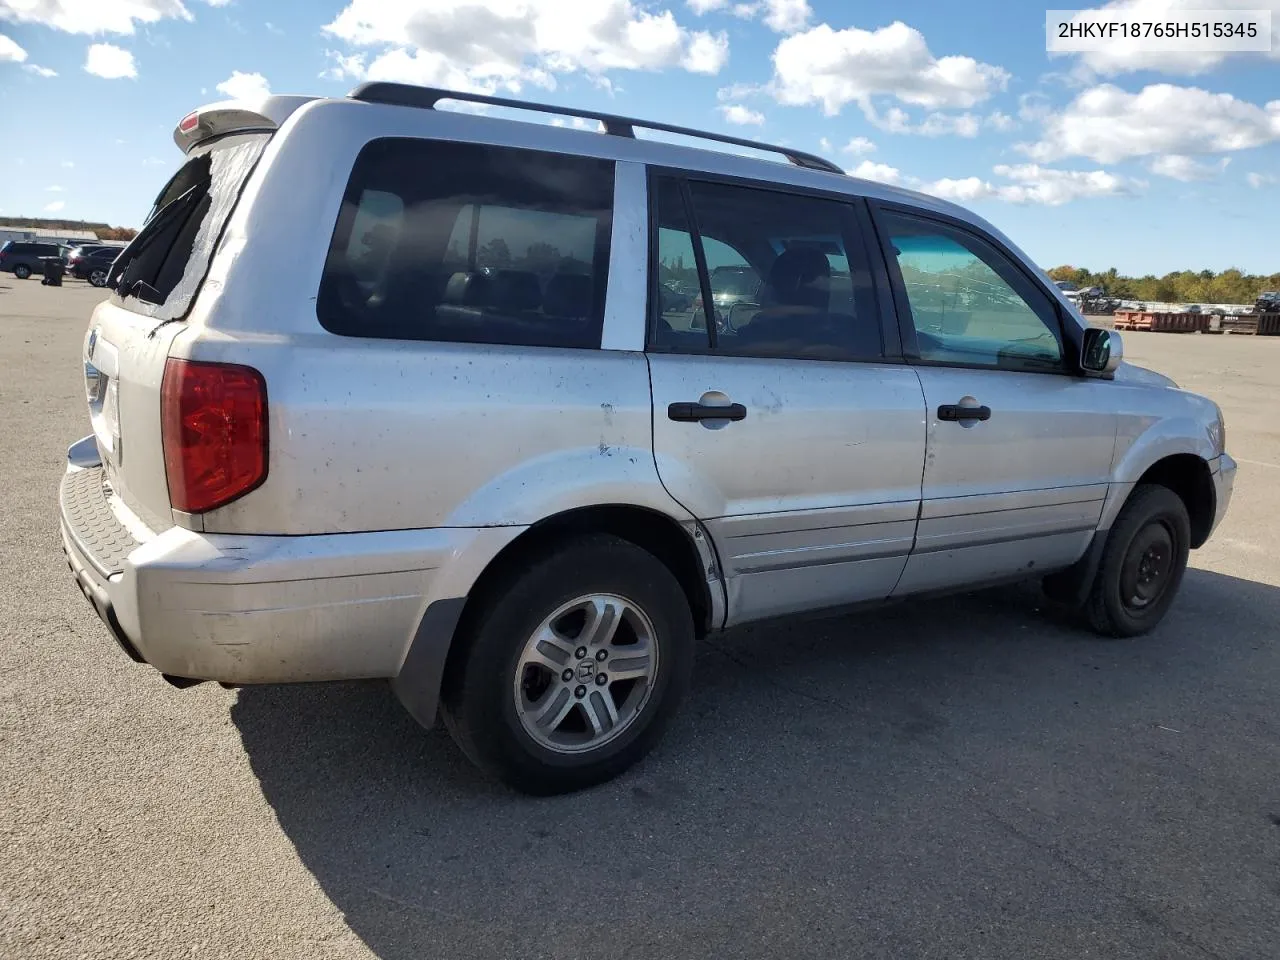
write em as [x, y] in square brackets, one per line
[973, 777]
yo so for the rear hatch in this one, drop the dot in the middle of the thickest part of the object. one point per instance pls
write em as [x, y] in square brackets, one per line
[153, 284]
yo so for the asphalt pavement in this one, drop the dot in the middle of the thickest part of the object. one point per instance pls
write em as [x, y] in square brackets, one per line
[973, 777]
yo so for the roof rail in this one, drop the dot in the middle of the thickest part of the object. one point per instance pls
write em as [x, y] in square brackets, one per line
[409, 95]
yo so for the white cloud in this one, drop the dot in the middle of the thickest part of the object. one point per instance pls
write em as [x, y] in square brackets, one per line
[244, 86]
[1116, 59]
[473, 45]
[897, 120]
[55, 188]
[109, 62]
[1178, 166]
[344, 66]
[1031, 183]
[68, 164]
[577, 123]
[962, 190]
[1000, 121]
[54, 207]
[1260, 180]
[736, 91]
[858, 146]
[10, 52]
[737, 113]
[882, 172]
[40, 71]
[153, 162]
[92, 16]
[837, 67]
[707, 53]
[942, 124]
[786, 16]
[1034, 106]
[1108, 124]
[272, 28]
[780, 16]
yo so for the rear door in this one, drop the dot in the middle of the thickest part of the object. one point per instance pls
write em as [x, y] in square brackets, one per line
[1019, 446]
[154, 282]
[788, 425]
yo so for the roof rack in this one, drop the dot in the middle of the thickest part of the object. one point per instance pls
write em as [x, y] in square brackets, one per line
[408, 95]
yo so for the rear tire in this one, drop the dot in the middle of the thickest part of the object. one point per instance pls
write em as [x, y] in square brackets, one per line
[98, 278]
[22, 271]
[525, 699]
[1142, 564]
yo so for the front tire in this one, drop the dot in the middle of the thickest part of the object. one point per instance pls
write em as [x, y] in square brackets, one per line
[22, 271]
[1142, 564]
[98, 278]
[573, 669]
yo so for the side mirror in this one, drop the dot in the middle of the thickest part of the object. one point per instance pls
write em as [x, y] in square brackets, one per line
[1102, 351]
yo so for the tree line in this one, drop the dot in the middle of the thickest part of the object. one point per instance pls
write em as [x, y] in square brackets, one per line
[103, 231]
[1183, 286]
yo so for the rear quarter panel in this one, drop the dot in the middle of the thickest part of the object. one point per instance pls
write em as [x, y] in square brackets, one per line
[383, 434]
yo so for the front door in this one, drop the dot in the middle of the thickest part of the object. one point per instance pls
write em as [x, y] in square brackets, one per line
[1019, 447]
[780, 419]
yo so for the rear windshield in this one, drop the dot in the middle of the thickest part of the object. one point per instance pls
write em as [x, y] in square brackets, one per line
[470, 243]
[159, 272]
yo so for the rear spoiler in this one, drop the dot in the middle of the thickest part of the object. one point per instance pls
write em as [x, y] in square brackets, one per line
[234, 116]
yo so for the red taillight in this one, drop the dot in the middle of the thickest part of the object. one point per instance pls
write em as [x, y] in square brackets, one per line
[188, 123]
[213, 427]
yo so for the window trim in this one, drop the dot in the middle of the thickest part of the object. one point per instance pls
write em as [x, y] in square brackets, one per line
[852, 225]
[1068, 334]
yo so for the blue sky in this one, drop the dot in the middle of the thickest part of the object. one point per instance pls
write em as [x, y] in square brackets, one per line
[1149, 163]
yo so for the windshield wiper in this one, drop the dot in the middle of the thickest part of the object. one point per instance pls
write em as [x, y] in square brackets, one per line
[164, 217]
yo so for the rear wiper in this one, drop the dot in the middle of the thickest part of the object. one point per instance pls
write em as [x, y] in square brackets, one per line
[163, 218]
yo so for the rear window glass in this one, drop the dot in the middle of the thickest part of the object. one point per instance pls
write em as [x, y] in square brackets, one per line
[470, 243]
[161, 269]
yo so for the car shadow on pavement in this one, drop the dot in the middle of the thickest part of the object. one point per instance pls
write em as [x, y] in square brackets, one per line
[970, 776]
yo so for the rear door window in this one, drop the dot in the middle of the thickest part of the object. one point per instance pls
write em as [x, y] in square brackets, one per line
[470, 243]
[786, 275]
[161, 269]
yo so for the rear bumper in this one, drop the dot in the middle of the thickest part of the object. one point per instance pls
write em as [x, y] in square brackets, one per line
[264, 609]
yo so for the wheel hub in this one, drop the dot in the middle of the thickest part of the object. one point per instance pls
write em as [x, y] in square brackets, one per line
[1147, 566]
[586, 673]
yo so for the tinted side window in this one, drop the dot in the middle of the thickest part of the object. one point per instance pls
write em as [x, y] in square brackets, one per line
[969, 303]
[784, 278]
[470, 243]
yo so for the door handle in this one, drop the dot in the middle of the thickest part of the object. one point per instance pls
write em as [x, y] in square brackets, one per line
[693, 412]
[955, 413]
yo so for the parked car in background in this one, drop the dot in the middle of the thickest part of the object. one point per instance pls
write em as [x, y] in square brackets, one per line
[92, 263]
[271, 490]
[1267, 302]
[24, 258]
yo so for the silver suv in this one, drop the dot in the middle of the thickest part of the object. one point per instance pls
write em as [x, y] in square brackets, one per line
[384, 390]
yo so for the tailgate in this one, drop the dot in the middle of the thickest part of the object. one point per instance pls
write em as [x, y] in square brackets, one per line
[123, 368]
